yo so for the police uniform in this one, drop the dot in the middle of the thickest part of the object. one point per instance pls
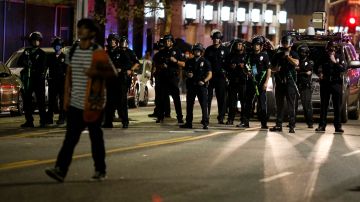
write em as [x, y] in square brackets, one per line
[200, 69]
[217, 57]
[157, 75]
[117, 88]
[169, 81]
[56, 81]
[304, 86]
[33, 60]
[285, 87]
[258, 66]
[331, 83]
[237, 74]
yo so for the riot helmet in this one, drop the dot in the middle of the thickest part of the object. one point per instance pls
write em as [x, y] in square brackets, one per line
[57, 43]
[235, 45]
[303, 51]
[216, 34]
[113, 37]
[124, 42]
[35, 38]
[197, 49]
[169, 40]
[287, 41]
[257, 40]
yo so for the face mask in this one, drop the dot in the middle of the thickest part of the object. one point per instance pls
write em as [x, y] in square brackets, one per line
[57, 48]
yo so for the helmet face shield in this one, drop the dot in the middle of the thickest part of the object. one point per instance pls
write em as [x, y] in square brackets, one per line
[286, 41]
[124, 42]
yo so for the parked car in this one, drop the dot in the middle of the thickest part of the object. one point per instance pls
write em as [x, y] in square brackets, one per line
[11, 63]
[11, 99]
[351, 77]
[146, 92]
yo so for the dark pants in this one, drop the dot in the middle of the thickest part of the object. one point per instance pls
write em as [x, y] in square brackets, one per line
[219, 84]
[116, 99]
[169, 86]
[305, 97]
[237, 91]
[335, 90]
[261, 103]
[75, 125]
[37, 86]
[157, 98]
[288, 91]
[202, 93]
[56, 98]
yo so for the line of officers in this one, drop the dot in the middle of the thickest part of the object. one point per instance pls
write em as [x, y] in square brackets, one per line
[239, 73]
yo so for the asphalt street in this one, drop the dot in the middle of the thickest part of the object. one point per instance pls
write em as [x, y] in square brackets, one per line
[160, 162]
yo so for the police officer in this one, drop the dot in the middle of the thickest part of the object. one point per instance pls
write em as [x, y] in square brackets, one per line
[198, 73]
[285, 62]
[56, 81]
[304, 82]
[216, 55]
[237, 74]
[258, 66]
[155, 73]
[170, 59]
[33, 59]
[125, 62]
[331, 84]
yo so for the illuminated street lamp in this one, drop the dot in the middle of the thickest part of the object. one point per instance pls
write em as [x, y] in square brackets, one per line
[240, 16]
[255, 15]
[147, 10]
[269, 16]
[225, 13]
[282, 17]
[208, 13]
[161, 11]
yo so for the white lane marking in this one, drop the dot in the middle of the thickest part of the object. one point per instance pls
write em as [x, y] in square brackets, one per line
[351, 153]
[275, 177]
[181, 131]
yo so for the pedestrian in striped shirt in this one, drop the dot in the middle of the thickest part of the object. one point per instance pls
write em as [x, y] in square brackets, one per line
[80, 60]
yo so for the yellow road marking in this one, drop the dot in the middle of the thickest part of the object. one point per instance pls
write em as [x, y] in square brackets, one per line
[28, 163]
[29, 134]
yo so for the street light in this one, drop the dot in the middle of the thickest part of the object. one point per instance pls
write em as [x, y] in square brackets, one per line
[282, 17]
[255, 15]
[161, 11]
[269, 16]
[190, 12]
[208, 13]
[225, 13]
[240, 16]
[147, 10]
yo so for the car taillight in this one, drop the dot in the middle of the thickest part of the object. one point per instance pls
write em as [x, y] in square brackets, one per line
[8, 88]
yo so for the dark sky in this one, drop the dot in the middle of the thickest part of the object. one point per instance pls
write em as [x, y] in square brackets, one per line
[304, 6]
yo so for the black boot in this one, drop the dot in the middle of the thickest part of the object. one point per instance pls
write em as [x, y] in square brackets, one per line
[320, 129]
[186, 125]
[276, 129]
[27, 124]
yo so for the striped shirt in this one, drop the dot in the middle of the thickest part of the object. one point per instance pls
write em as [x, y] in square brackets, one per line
[80, 63]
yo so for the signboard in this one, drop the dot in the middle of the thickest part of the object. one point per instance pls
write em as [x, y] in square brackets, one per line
[319, 20]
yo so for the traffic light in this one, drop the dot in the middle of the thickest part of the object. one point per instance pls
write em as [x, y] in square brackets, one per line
[352, 22]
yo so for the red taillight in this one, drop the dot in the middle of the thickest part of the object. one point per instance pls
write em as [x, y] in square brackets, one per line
[7, 86]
